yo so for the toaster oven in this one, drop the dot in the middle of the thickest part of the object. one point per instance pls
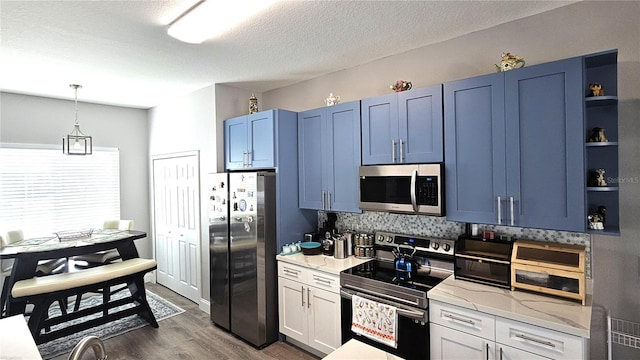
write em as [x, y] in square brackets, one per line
[483, 261]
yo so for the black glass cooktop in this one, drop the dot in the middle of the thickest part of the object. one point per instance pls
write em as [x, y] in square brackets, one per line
[384, 271]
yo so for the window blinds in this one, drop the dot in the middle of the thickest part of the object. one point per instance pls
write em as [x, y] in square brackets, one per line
[43, 191]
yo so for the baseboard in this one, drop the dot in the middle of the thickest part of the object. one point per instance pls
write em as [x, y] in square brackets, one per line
[305, 347]
[205, 305]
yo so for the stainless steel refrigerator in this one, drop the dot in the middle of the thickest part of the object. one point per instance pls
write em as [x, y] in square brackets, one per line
[242, 247]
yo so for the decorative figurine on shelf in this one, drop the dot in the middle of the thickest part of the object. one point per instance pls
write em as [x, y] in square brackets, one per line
[331, 100]
[253, 104]
[595, 89]
[597, 135]
[400, 85]
[602, 212]
[509, 62]
[595, 222]
[596, 178]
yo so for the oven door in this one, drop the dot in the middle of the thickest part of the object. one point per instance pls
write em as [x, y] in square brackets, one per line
[412, 332]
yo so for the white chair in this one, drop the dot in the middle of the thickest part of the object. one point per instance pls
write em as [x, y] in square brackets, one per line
[103, 257]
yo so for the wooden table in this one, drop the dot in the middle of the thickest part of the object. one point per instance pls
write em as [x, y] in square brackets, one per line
[16, 341]
[28, 252]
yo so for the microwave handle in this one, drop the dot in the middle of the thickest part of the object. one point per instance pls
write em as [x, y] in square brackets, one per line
[414, 178]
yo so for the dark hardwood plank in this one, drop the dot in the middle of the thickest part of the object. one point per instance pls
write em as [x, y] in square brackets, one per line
[191, 336]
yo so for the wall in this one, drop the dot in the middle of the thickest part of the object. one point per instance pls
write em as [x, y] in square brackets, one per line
[574, 30]
[185, 124]
[39, 120]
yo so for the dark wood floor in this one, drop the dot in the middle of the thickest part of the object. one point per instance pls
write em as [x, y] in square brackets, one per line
[190, 335]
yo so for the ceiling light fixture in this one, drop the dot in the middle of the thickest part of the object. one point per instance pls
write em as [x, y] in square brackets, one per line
[208, 19]
[77, 143]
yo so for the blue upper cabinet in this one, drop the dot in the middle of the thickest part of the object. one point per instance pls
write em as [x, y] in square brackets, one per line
[329, 157]
[514, 147]
[475, 171]
[545, 151]
[380, 129]
[250, 140]
[420, 125]
[403, 127]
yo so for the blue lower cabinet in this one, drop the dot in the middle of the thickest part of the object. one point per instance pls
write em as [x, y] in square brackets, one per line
[329, 156]
[514, 147]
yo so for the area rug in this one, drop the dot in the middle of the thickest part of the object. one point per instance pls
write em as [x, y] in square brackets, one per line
[162, 309]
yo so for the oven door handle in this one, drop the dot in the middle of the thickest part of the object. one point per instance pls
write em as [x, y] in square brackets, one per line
[411, 314]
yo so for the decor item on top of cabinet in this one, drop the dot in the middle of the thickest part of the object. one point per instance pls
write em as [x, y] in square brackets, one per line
[509, 62]
[596, 178]
[597, 135]
[595, 89]
[400, 85]
[332, 100]
[253, 104]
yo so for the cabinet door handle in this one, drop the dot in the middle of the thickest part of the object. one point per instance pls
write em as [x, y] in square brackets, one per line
[302, 293]
[455, 318]
[308, 297]
[499, 211]
[244, 159]
[486, 351]
[328, 200]
[321, 280]
[511, 205]
[323, 194]
[393, 150]
[500, 352]
[529, 338]
[401, 151]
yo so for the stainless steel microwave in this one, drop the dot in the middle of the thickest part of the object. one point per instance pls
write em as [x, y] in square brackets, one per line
[414, 189]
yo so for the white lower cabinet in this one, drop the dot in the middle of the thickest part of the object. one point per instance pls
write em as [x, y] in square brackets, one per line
[459, 333]
[309, 306]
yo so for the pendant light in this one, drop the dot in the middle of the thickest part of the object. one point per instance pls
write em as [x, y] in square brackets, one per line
[77, 143]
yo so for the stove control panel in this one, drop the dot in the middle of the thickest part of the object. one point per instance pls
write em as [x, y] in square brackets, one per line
[420, 243]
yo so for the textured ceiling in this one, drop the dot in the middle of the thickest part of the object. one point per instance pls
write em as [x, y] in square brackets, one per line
[120, 52]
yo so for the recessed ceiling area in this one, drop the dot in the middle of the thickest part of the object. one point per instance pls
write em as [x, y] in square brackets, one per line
[119, 51]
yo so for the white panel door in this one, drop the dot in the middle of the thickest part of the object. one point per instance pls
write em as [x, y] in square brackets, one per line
[292, 309]
[177, 225]
[324, 319]
[449, 344]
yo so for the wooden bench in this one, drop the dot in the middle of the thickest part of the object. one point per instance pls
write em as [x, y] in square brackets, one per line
[43, 291]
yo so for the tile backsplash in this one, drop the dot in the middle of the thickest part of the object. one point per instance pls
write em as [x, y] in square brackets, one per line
[439, 227]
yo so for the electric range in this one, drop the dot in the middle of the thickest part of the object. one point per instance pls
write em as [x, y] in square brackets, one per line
[378, 280]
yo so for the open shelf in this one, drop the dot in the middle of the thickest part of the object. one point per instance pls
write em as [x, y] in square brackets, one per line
[602, 188]
[601, 112]
[601, 100]
[596, 144]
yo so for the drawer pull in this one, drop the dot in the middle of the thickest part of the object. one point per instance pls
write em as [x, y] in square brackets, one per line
[291, 272]
[455, 318]
[543, 342]
[321, 280]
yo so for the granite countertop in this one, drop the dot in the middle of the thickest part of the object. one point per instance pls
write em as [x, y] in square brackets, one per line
[354, 349]
[328, 264]
[550, 312]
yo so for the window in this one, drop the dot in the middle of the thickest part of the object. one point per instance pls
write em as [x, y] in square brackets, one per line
[43, 191]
